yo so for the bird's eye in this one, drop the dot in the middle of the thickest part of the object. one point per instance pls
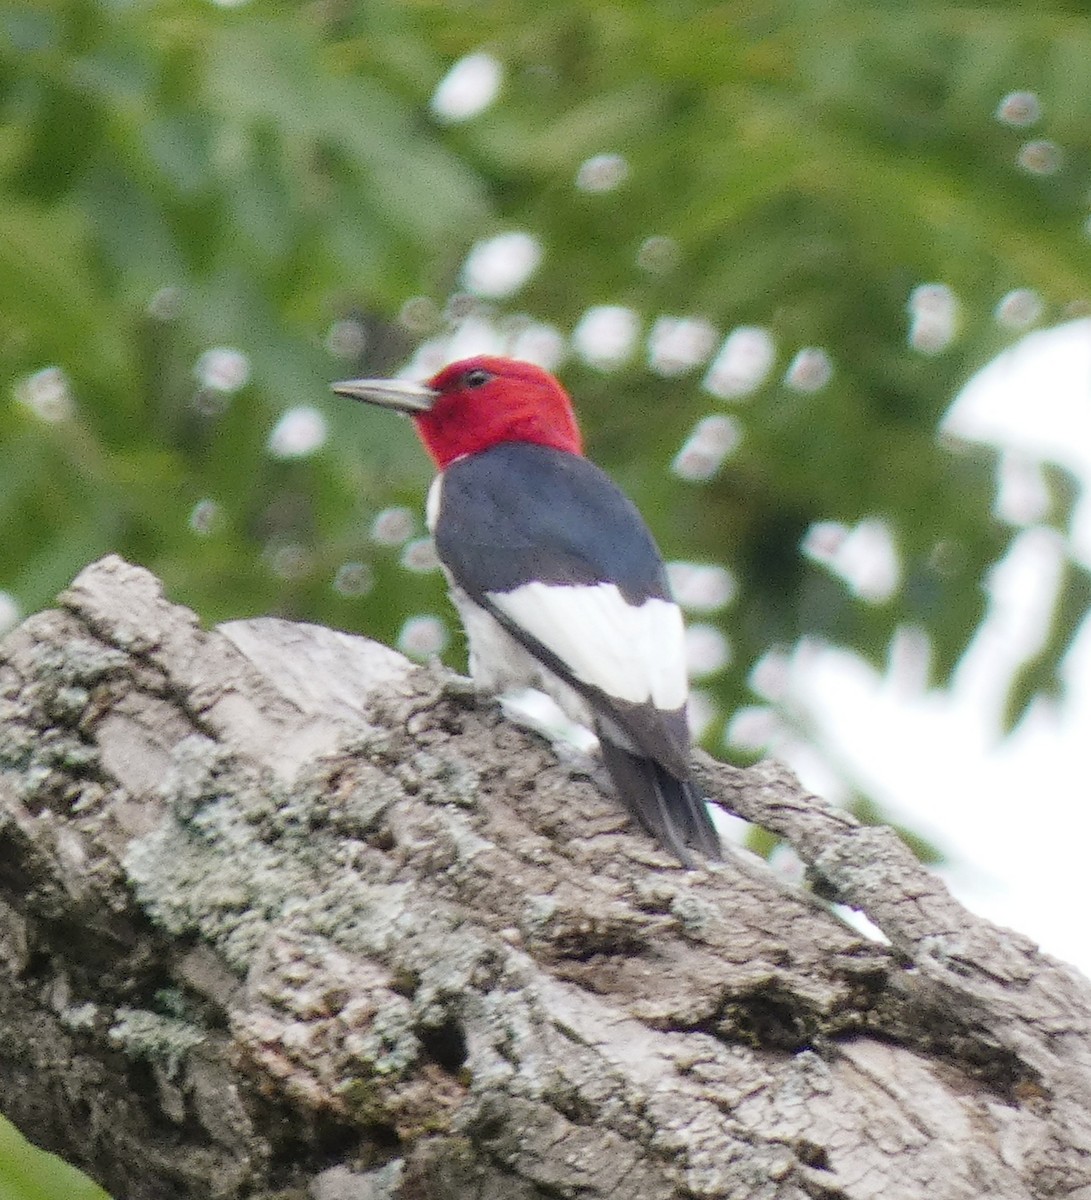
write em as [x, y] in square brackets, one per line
[476, 377]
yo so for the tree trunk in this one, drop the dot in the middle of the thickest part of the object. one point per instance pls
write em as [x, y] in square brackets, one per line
[282, 915]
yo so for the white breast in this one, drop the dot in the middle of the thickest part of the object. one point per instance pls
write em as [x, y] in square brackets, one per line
[431, 505]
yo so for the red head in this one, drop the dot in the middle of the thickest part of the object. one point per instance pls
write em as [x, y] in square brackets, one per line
[482, 401]
[477, 403]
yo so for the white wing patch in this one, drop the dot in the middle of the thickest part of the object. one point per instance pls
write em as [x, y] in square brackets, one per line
[633, 652]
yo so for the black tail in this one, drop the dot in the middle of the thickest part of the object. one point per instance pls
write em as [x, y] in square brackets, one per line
[672, 810]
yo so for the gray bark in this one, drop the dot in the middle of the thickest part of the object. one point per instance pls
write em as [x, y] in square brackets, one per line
[282, 915]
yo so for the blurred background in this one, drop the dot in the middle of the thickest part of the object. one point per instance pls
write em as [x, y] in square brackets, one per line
[766, 246]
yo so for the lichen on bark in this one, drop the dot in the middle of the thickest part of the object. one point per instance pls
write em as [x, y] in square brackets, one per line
[283, 915]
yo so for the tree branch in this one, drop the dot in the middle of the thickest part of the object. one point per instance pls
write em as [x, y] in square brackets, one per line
[282, 914]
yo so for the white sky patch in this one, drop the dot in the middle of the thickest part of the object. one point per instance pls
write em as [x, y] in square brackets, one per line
[771, 675]
[419, 314]
[809, 371]
[707, 650]
[701, 712]
[1010, 814]
[223, 368]
[1022, 496]
[658, 254]
[701, 587]
[501, 265]
[703, 452]
[288, 560]
[393, 526]
[468, 88]
[9, 612]
[823, 541]
[475, 335]
[1019, 309]
[861, 923]
[863, 556]
[346, 338]
[994, 808]
[298, 433]
[602, 173]
[786, 864]
[204, 517]
[1040, 157]
[420, 556]
[869, 561]
[910, 661]
[742, 364]
[530, 341]
[605, 336]
[428, 358]
[354, 579]
[754, 728]
[422, 636]
[1022, 591]
[678, 344]
[1034, 398]
[541, 344]
[1024, 397]
[47, 394]
[933, 317]
[1019, 109]
[166, 303]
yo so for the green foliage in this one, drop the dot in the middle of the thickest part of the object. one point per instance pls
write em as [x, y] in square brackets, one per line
[178, 176]
[28, 1174]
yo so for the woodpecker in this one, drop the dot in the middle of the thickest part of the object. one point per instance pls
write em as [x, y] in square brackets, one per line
[557, 580]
